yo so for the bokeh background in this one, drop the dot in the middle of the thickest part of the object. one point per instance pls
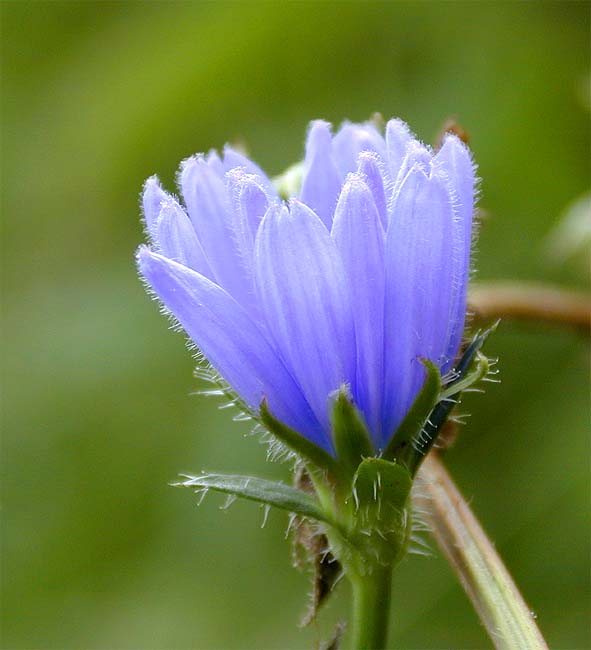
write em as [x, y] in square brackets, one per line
[98, 412]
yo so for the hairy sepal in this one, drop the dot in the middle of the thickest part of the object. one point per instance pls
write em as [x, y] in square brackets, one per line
[401, 444]
[269, 493]
[311, 454]
[478, 370]
[472, 367]
[350, 435]
[381, 491]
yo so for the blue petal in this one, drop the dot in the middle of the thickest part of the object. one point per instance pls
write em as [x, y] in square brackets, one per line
[359, 236]
[233, 159]
[416, 154]
[215, 163]
[303, 290]
[229, 339]
[456, 162]
[398, 137]
[176, 238]
[208, 204]
[421, 258]
[249, 204]
[351, 140]
[152, 198]
[321, 182]
[371, 166]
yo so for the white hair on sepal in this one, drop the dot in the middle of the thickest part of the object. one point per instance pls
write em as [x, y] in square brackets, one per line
[420, 497]
[207, 373]
[230, 499]
[201, 494]
[420, 546]
[451, 375]
[200, 491]
[293, 524]
[459, 418]
[266, 510]
[422, 440]
[276, 450]
[493, 372]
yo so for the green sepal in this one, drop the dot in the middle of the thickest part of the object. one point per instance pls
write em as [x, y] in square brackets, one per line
[380, 484]
[349, 434]
[304, 448]
[449, 397]
[269, 493]
[381, 490]
[481, 366]
[400, 444]
[471, 351]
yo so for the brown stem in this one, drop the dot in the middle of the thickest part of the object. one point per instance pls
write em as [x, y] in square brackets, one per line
[533, 302]
[481, 571]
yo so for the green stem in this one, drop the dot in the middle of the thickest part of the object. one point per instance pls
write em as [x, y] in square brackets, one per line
[371, 608]
[500, 606]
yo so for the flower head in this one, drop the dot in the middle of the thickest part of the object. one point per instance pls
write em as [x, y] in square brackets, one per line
[352, 282]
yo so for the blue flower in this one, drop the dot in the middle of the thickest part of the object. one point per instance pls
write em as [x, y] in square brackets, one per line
[351, 283]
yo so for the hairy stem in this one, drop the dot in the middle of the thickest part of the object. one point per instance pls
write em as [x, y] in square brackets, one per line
[481, 571]
[534, 302]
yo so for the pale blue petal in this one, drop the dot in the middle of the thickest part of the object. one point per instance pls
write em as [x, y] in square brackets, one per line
[398, 137]
[176, 238]
[351, 140]
[303, 290]
[286, 310]
[215, 163]
[321, 182]
[233, 159]
[152, 198]
[416, 154]
[230, 340]
[359, 236]
[455, 159]
[209, 206]
[372, 168]
[420, 264]
[249, 204]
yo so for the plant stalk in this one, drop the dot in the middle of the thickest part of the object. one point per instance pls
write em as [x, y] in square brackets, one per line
[483, 575]
[531, 302]
[371, 608]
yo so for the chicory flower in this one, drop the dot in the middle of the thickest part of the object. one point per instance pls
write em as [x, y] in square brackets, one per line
[351, 283]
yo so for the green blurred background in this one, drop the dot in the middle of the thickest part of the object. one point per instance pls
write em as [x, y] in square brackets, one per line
[98, 551]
